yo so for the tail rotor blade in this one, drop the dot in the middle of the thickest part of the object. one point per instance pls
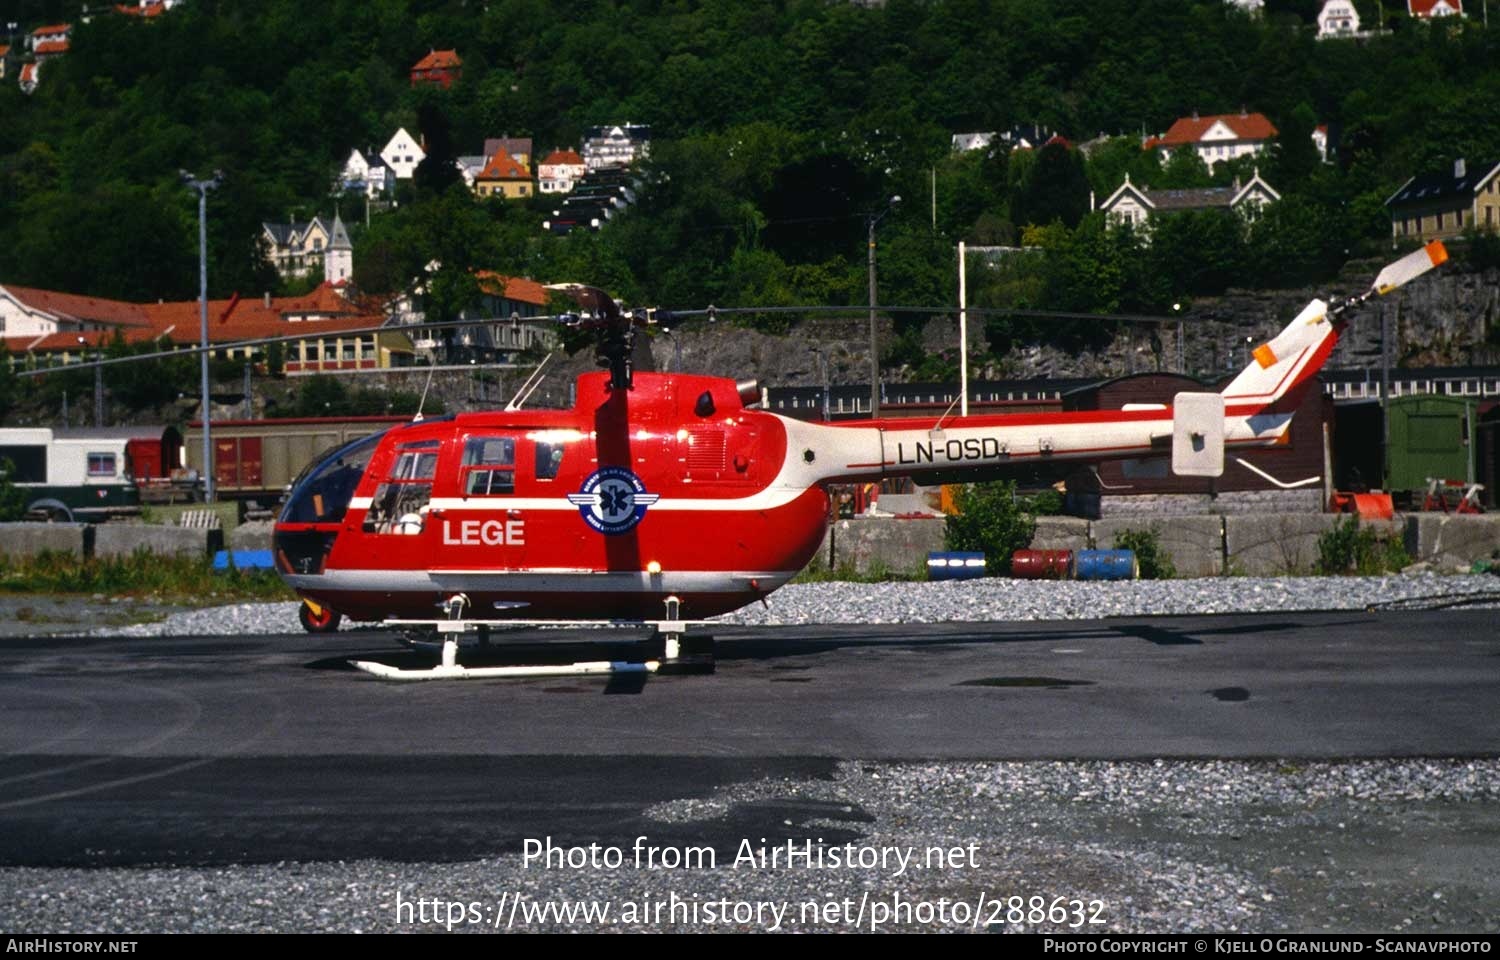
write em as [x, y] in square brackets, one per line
[1410, 267]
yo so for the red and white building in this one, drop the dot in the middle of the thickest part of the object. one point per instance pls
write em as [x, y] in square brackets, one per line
[1432, 9]
[442, 68]
[1217, 138]
[44, 328]
[560, 171]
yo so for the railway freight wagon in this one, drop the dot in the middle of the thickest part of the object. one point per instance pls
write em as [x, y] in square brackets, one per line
[257, 459]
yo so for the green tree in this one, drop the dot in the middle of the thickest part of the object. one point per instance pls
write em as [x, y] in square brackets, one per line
[990, 518]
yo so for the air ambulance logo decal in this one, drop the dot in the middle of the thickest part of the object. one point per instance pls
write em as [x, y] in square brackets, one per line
[613, 500]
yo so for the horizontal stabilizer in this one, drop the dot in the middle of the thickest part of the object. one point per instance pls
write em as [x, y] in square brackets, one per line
[1198, 434]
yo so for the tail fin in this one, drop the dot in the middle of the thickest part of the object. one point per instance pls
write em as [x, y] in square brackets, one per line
[1293, 357]
[1287, 360]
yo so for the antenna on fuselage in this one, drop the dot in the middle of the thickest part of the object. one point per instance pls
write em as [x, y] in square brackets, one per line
[529, 387]
[423, 402]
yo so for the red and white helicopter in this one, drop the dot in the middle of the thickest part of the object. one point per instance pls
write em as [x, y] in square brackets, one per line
[670, 496]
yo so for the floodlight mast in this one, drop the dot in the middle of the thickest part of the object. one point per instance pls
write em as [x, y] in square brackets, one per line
[202, 187]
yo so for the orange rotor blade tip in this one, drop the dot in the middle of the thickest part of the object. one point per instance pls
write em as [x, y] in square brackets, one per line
[1437, 252]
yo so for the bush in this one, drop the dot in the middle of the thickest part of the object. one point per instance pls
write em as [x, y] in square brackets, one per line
[12, 498]
[993, 519]
[1155, 563]
[1351, 549]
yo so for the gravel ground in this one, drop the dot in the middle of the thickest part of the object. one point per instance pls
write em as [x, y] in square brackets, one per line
[1400, 845]
[979, 600]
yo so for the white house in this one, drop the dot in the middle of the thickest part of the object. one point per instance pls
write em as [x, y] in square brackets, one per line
[615, 146]
[1338, 18]
[1217, 138]
[1137, 205]
[28, 312]
[560, 171]
[369, 176]
[964, 142]
[402, 154]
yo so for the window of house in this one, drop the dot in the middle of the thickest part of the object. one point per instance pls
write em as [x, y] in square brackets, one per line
[348, 350]
[330, 350]
[489, 466]
[101, 464]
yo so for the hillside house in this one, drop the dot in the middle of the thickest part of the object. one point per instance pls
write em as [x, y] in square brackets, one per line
[1440, 205]
[402, 154]
[1138, 205]
[441, 68]
[559, 171]
[1217, 138]
[503, 176]
[621, 146]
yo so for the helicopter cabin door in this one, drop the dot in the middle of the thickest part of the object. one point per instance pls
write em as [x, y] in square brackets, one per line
[484, 528]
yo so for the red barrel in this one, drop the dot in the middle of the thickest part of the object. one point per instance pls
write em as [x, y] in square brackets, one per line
[1041, 564]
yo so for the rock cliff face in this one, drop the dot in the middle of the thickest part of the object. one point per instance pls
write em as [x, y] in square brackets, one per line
[1451, 317]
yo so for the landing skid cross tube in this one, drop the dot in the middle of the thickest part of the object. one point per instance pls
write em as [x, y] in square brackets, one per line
[669, 632]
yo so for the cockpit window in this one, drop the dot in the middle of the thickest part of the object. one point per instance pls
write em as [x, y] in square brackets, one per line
[323, 491]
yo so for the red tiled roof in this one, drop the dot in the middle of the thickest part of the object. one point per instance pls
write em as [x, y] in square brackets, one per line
[148, 10]
[179, 321]
[1190, 130]
[28, 72]
[252, 319]
[563, 157]
[53, 29]
[50, 47]
[439, 60]
[518, 289]
[502, 166]
[4, 49]
[325, 299]
[1423, 8]
[77, 308]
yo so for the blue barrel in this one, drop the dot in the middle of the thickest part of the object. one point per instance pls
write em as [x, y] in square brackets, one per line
[1106, 565]
[954, 565]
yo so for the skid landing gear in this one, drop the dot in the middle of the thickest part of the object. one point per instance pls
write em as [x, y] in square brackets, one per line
[678, 653]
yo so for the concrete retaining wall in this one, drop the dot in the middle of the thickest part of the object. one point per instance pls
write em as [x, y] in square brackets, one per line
[30, 539]
[1452, 541]
[255, 535]
[1194, 544]
[901, 546]
[1263, 545]
[1061, 533]
[124, 539]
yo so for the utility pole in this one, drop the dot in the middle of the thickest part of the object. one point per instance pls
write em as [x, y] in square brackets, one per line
[871, 220]
[202, 187]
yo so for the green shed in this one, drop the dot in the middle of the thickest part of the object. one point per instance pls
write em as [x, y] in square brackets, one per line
[1430, 437]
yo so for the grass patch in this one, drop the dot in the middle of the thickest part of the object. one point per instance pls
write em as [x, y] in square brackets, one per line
[878, 571]
[167, 579]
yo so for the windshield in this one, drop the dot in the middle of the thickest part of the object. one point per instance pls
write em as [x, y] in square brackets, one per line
[322, 492]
